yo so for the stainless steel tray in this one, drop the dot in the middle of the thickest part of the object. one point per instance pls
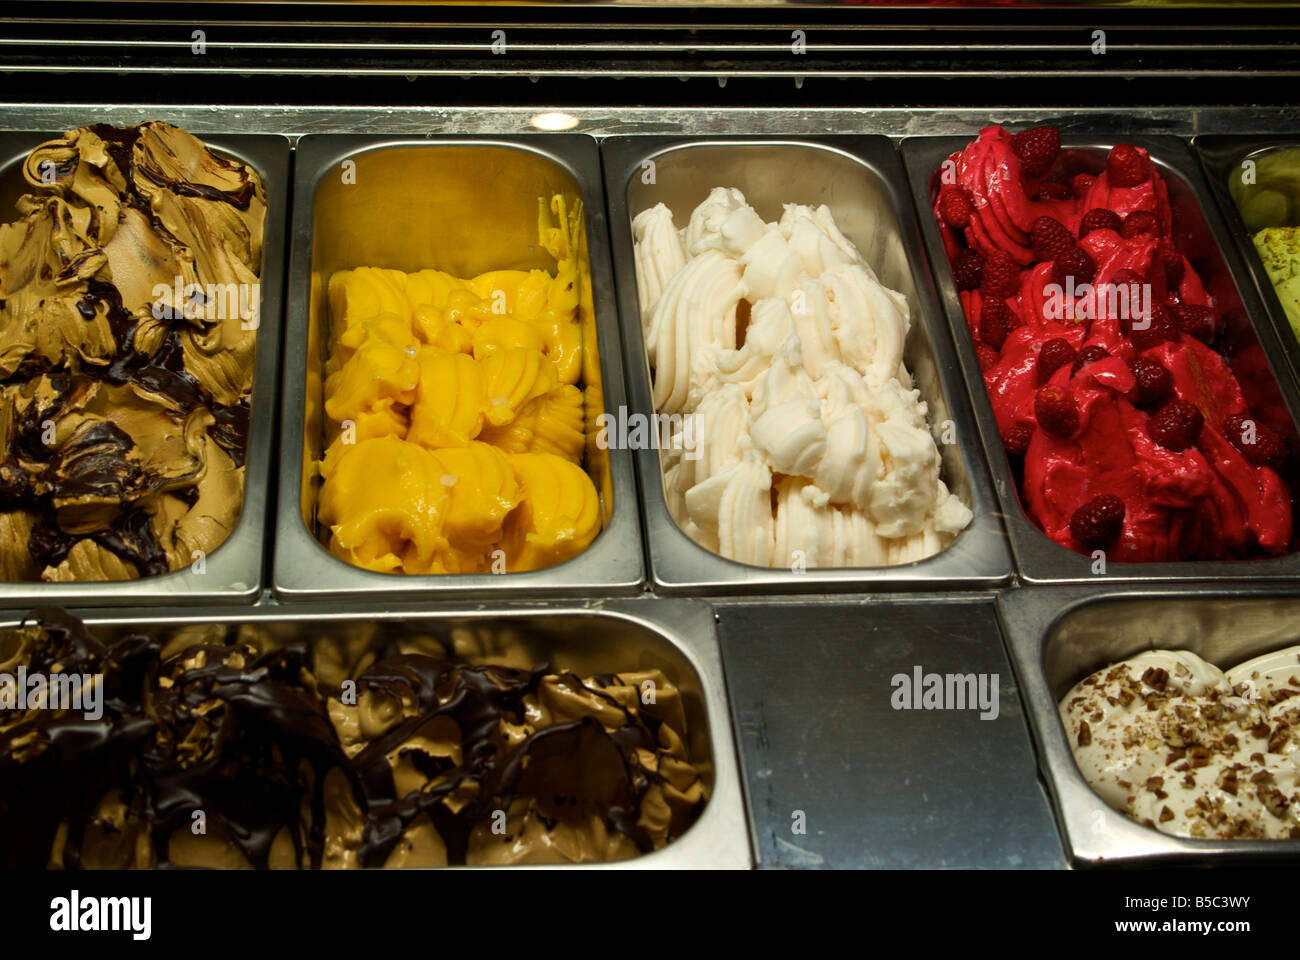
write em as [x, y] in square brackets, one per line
[1059, 636]
[1038, 558]
[232, 572]
[393, 216]
[1222, 156]
[860, 179]
[675, 636]
[812, 686]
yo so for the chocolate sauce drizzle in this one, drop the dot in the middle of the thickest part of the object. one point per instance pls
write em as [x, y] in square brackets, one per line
[269, 721]
[161, 374]
[479, 698]
[232, 742]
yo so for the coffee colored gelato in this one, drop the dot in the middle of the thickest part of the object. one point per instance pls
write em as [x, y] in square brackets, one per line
[499, 765]
[231, 748]
[128, 315]
[205, 724]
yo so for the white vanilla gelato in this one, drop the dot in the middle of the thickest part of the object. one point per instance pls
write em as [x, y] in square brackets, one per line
[1182, 746]
[812, 446]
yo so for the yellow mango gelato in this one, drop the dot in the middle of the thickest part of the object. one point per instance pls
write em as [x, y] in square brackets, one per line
[455, 416]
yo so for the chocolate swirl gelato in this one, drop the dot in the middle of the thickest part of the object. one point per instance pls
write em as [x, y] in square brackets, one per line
[498, 765]
[204, 724]
[369, 751]
[128, 315]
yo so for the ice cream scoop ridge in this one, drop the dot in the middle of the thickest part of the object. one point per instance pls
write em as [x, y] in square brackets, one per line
[1182, 746]
[781, 343]
[1094, 334]
[123, 412]
[457, 425]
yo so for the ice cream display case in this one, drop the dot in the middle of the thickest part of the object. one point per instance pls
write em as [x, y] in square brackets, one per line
[659, 452]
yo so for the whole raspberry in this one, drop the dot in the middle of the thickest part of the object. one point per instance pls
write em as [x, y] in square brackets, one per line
[1154, 381]
[1195, 321]
[1016, 440]
[1158, 330]
[1074, 263]
[955, 207]
[1177, 425]
[967, 269]
[1052, 191]
[1037, 149]
[1140, 223]
[987, 356]
[1259, 443]
[992, 330]
[1098, 521]
[1171, 261]
[1089, 354]
[1056, 411]
[997, 312]
[1001, 276]
[1050, 239]
[1125, 167]
[1098, 218]
[1053, 355]
[1081, 183]
[1121, 277]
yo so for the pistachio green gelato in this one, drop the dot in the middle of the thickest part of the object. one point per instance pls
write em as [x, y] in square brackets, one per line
[1269, 194]
[1279, 249]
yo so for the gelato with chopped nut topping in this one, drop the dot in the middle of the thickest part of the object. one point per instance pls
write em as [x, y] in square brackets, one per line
[1180, 745]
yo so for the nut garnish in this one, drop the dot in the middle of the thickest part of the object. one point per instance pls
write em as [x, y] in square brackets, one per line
[1156, 677]
[1273, 800]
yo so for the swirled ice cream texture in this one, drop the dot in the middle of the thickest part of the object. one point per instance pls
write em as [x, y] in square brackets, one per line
[352, 746]
[123, 414]
[1192, 750]
[457, 423]
[811, 443]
